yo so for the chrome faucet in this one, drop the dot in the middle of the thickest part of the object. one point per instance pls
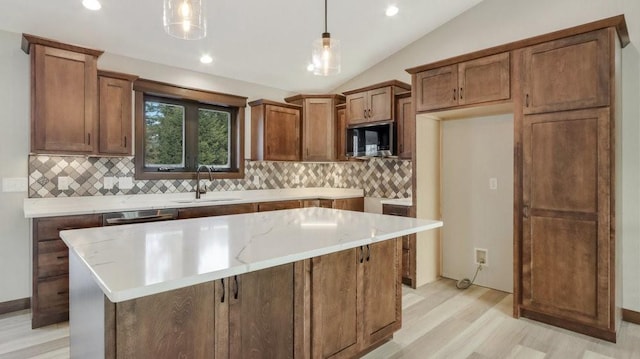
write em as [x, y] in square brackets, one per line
[198, 189]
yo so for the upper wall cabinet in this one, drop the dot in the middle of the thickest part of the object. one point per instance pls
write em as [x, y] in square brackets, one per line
[64, 90]
[275, 131]
[374, 103]
[318, 125]
[405, 126]
[566, 74]
[472, 82]
[115, 112]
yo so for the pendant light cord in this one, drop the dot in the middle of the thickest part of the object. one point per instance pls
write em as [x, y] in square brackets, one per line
[325, 15]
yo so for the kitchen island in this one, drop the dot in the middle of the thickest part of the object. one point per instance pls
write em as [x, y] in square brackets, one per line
[298, 283]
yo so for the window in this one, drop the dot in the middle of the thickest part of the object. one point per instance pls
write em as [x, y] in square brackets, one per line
[176, 135]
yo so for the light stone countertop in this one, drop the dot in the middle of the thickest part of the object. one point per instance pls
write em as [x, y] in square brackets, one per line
[50, 207]
[131, 261]
[407, 202]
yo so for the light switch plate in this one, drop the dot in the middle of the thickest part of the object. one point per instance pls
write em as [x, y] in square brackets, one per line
[63, 183]
[125, 183]
[108, 182]
[15, 184]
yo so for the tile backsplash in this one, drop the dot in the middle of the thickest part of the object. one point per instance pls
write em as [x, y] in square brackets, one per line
[384, 178]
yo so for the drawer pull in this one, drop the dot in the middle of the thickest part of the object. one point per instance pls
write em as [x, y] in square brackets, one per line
[223, 291]
[62, 292]
[63, 257]
[66, 228]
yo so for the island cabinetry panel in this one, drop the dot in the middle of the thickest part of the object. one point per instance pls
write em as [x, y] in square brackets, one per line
[174, 324]
[318, 125]
[374, 103]
[570, 73]
[275, 131]
[276, 206]
[64, 100]
[486, 79]
[50, 297]
[115, 113]
[221, 210]
[355, 299]
[408, 245]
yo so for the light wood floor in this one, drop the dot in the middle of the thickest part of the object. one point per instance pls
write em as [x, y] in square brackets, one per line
[439, 321]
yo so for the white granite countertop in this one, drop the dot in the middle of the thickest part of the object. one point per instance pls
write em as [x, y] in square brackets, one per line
[49, 207]
[131, 261]
[407, 202]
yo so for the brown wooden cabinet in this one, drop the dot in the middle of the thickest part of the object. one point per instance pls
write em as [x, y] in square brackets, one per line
[275, 131]
[486, 79]
[64, 91]
[341, 132]
[405, 125]
[278, 205]
[318, 125]
[211, 211]
[115, 113]
[355, 299]
[373, 103]
[569, 73]
[408, 245]
[50, 297]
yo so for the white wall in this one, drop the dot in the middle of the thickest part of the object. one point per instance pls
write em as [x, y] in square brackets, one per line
[15, 246]
[475, 216]
[495, 22]
[15, 263]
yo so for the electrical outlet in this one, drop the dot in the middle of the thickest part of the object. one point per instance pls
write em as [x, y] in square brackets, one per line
[108, 182]
[63, 183]
[482, 256]
[493, 183]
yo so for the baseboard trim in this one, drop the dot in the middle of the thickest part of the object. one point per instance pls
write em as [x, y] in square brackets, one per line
[631, 316]
[15, 305]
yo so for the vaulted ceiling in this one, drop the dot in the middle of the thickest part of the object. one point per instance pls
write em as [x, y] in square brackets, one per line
[267, 42]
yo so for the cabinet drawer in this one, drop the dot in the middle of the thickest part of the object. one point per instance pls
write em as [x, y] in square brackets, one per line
[275, 206]
[211, 211]
[53, 295]
[49, 228]
[394, 210]
[53, 258]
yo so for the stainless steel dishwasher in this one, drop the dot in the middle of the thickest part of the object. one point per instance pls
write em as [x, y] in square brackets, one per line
[142, 216]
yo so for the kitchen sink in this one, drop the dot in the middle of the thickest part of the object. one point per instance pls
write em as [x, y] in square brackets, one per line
[205, 200]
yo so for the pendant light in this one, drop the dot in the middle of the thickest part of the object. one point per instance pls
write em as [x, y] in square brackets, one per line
[326, 52]
[185, 19]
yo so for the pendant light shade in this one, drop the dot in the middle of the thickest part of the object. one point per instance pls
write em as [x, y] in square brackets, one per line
[326, 52]
[185, 19]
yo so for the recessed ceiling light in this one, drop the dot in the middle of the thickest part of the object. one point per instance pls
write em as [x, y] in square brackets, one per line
[206, 59]
[310, 67]
[92, 4]
[392, 10]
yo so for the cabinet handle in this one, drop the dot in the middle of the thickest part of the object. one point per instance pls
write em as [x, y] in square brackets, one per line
[62, 257]
[89, 139]
[223, 291]
[125, 141]
[361, 254]
[307, 151]
[268, 149]
[526, 100]
[63, 292]
[236, 289]
[369, 113]
[401, 147]
[461, 93]
[368, 252]
[525, 211]
[454, 94]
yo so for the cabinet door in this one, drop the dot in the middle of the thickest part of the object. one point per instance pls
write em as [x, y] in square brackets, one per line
[437, 88]
[261, 313]
[566, 253]
[406, 126]
[276, 206]
[174, 324]
[485, 79]
[115, 116]
[570, 73]
[356, 107]
[382, 290]
[210, 211]
[319, 130]
[334, 304]
[282, 134]
[341, 134]
[65, 96]
[349, 204]
[380, 105]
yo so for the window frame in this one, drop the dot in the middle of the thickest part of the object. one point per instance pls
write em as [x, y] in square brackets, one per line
[194, 99]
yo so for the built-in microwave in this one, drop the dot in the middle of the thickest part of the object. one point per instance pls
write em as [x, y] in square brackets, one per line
[371, 140]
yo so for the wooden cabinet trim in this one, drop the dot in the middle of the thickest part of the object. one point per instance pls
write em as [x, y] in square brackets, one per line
[29, 40]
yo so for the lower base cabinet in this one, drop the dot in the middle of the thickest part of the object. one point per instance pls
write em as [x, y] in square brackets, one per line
[355, 299]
